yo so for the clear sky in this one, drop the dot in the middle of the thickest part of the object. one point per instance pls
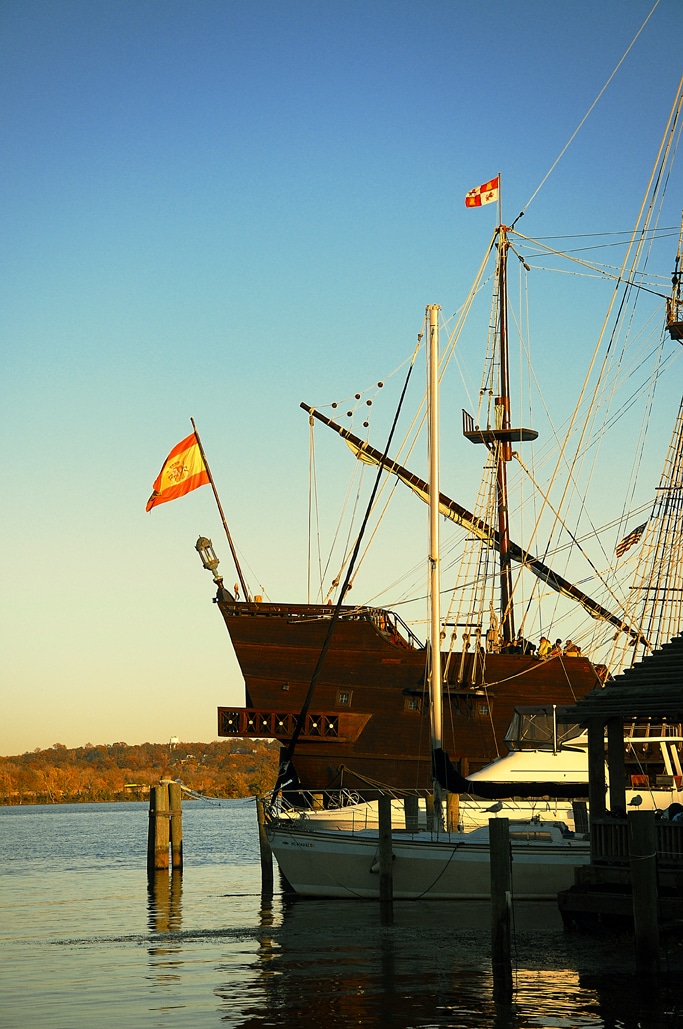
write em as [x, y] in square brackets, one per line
[218, 210]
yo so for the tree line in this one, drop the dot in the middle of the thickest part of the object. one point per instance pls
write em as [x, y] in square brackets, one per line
[115, 771]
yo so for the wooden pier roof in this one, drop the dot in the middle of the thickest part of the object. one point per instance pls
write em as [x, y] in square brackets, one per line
[652, 688]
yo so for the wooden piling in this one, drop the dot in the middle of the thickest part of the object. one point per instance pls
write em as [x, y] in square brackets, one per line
[643, 852]
[386, 858]
[501, 908]
[411, 810]
[265, 849]
[430, 812]
[580, 811]
[175, 803]
[452, 812]
[159, 833]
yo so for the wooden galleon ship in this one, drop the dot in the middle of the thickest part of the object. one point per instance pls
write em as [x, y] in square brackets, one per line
[346, 683]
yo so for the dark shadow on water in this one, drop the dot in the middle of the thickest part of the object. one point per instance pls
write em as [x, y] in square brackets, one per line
[337, 964]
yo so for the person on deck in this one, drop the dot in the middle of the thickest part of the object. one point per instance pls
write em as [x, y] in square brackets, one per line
[544, 648]
[556, 649]
[571, 649]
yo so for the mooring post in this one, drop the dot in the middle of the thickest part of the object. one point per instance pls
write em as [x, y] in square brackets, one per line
[501, 907]
[430, 812]
[386, 858]
[452, 812]
[411, 810]
[643, 851]
[175, 803]
[158, 834]
[265, 849]
[580, 811]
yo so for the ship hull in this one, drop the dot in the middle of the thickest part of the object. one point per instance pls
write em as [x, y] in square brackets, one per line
[368, 719]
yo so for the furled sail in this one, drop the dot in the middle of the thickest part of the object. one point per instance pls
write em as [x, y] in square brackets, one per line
[478, 527]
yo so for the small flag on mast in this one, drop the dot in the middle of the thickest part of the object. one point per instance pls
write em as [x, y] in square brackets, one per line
[182, 471]
[485, 194]
[630, 540]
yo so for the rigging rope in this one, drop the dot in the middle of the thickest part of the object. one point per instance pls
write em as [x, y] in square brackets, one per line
[586, 116]
[301, 717]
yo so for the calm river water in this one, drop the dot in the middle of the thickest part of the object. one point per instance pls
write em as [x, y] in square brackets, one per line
[84, 941]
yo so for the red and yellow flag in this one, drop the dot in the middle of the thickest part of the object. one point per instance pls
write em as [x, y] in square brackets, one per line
[183, 471]
[485, 194]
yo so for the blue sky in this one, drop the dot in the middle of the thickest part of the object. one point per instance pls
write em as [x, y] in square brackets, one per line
[219, 210]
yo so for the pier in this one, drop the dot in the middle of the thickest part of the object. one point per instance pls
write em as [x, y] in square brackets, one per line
[635, 875]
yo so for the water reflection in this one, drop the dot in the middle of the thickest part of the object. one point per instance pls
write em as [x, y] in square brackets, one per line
[335, 964]
[164, 897]
[164, 916]
[339, 964]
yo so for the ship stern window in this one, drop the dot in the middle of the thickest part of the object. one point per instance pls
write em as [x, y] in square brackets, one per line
[344, 698]
[412, 704]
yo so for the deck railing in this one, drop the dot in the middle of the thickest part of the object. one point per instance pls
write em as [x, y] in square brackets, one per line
[610, 842]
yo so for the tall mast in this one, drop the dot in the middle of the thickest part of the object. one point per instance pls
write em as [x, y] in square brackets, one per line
[504, 446]
[434, 548]
[498, 439]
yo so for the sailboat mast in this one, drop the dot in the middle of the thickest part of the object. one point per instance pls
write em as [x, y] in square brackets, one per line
[434, 542]
[504, 447]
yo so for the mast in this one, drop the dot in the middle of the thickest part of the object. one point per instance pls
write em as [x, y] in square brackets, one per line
[434, 548]
[504, 447]
[499, 437]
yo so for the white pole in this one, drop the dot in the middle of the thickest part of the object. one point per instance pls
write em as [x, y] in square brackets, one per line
[434, 569]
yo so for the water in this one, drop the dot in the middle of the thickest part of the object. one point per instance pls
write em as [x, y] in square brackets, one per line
[85, 942]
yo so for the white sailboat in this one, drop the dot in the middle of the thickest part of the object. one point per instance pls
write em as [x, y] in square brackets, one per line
[435, 864]
[544, 749]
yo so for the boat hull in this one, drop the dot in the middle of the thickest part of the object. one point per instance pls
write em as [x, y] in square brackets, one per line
[369, 717]
[346, 865]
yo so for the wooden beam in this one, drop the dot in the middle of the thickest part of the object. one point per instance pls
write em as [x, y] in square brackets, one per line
[615, 764]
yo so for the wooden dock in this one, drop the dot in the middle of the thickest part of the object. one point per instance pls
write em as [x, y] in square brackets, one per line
[603, 894]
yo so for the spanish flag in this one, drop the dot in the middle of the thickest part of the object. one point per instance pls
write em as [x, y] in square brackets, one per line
[184, 470]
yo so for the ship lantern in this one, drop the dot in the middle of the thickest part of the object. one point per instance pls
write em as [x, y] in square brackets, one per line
[204, 548]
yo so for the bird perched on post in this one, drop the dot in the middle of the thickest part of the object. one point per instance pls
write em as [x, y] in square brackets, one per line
[636, 801]
[498, 806]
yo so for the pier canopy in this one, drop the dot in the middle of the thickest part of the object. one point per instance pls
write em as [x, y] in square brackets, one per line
[651, 688]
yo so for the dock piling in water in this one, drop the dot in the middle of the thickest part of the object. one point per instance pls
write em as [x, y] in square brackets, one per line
[265, 849]
[386, 859]
[643, 852]
[501, 903]
[158, 836]
[175, 804]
